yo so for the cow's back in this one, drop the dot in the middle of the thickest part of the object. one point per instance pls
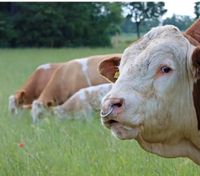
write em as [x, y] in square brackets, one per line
[71, 77]
[67, 79]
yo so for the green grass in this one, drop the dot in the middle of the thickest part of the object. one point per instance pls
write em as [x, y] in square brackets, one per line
[68, 148]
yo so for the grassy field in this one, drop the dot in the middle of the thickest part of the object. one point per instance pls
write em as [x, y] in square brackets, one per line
[67, 148]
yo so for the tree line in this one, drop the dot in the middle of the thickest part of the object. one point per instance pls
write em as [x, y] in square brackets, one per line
[56, 24]
[72, 24]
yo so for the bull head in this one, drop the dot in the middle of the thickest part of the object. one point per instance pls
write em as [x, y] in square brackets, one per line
[148, 101]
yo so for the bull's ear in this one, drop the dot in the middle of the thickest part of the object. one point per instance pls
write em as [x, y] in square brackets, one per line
[196, 62]
[109, 68]
[194, 31]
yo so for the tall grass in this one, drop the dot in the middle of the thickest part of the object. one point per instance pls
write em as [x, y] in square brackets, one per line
[67, 148]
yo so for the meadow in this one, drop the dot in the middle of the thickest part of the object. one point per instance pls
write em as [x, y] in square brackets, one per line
[69, 147]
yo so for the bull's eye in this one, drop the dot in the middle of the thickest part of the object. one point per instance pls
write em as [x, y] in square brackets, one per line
[165, 69]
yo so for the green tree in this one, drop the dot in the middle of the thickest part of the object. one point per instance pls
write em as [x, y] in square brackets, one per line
[128, 26]
[197, 9]
[7, 9]
[142, 11]
[58, 24]
[182, 22]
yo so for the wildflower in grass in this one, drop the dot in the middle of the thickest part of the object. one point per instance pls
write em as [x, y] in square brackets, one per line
[21, 145]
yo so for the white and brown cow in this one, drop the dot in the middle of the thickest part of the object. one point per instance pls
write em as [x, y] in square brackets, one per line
[156, 98]
[32, 88]
[68, 79]
[83, 103]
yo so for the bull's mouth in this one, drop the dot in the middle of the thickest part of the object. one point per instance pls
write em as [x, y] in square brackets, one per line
[122, 130]
[109, 123]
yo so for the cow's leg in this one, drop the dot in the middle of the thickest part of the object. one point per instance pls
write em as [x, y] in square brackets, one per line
[37, 110]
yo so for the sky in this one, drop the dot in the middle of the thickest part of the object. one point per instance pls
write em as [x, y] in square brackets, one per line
[178, 7]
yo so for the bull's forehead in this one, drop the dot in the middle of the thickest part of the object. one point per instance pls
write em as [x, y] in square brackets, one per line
[160, 43]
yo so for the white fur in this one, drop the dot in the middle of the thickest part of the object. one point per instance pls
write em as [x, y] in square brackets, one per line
[158, 110]
[84, 65]
[59, 112]
[82, 95]
[44, 66]
[12, 107]
[87, 100]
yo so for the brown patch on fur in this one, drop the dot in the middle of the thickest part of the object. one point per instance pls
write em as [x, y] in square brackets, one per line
[34, 85]
[69, 78]
[20, 96]
[109, 67]
[196, 88]
[194, 31]
[196, 95]
[196, 61]
[191, 40]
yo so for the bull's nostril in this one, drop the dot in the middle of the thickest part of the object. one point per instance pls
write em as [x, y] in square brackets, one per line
[117, 102]
[118, 105]
[112, 107]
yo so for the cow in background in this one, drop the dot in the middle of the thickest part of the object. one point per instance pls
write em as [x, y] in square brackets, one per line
[32, 88]
[68, 79]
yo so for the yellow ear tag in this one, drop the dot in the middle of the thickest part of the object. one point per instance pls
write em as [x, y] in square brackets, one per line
[116, 76]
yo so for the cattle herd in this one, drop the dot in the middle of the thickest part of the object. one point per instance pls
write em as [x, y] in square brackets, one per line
[150, 93]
